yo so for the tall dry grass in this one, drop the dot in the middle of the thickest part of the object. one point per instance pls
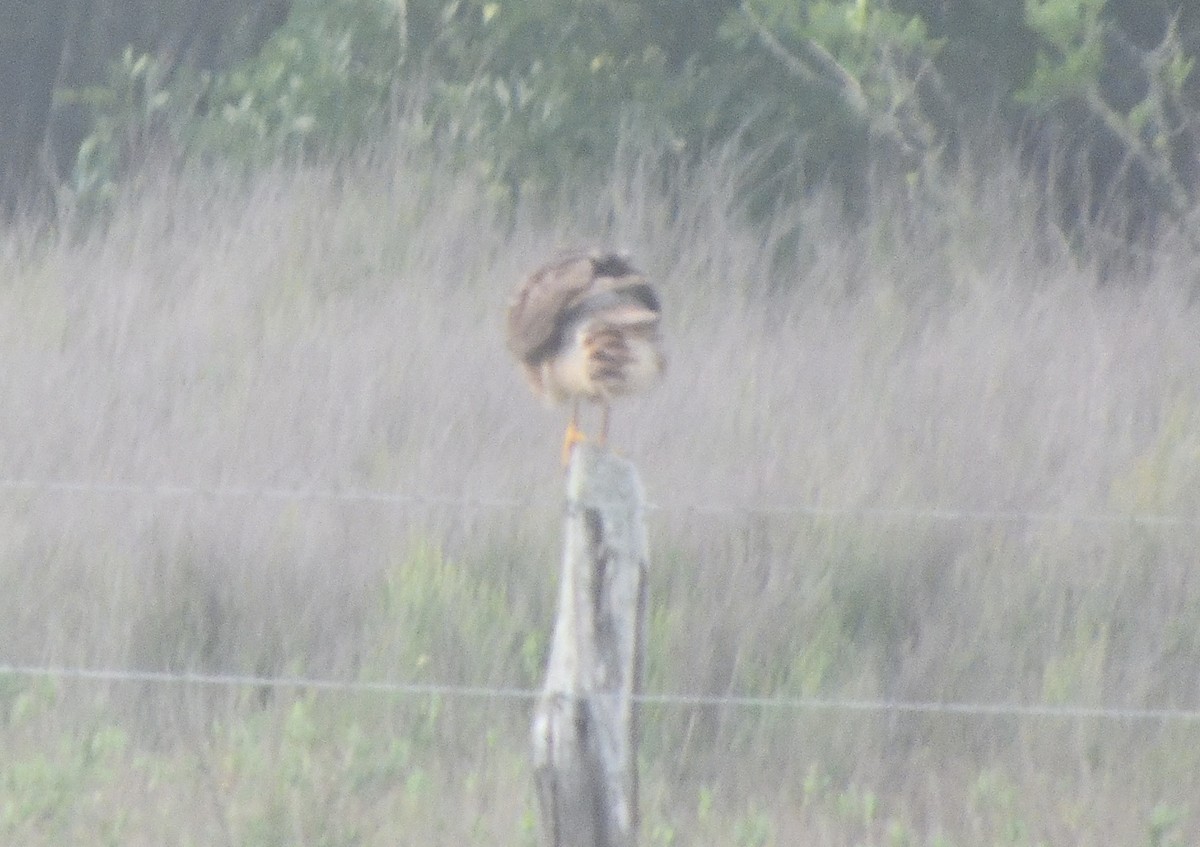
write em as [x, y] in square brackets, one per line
[337, 327]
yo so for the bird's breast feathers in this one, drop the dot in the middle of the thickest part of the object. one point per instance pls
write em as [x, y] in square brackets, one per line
[602, 360]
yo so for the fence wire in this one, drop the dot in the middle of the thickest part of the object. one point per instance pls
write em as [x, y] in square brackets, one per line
[168, 490]
[909, 513]
[423, 689]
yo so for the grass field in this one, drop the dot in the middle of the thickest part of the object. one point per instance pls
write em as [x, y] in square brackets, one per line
[990, 436]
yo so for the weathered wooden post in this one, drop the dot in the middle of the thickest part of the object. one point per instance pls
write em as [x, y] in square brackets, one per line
[585, 725]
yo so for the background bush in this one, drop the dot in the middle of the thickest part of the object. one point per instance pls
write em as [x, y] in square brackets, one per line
[1101, 96]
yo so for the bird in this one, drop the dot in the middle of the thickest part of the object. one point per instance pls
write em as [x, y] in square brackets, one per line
[586, 326]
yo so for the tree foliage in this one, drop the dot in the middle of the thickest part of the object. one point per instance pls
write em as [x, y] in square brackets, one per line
[537, 94]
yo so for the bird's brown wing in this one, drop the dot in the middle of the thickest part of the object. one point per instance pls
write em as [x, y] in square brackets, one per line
[630, 291]
[537, 312]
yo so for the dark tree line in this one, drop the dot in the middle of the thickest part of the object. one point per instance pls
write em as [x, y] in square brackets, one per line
[1107, 86]
[69, 43]
[31, 46]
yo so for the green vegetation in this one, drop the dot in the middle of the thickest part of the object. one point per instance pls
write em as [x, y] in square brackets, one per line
[539, 97]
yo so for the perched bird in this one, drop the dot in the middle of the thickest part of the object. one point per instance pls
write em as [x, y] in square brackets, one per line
[586, 327]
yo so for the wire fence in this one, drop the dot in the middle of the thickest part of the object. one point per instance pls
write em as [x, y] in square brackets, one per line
[421, 689]
[903, 513]
[397, 499]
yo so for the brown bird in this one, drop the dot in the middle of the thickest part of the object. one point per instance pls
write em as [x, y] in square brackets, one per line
[586, 327]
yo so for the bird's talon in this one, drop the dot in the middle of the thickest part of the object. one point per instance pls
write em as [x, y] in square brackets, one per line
[574, 435]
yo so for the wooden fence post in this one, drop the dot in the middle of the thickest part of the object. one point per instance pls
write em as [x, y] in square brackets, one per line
[585, 726]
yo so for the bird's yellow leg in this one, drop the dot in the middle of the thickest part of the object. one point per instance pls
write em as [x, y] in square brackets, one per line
[573, 436]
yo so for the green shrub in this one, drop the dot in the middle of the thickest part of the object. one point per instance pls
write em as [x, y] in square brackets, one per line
[322, 81]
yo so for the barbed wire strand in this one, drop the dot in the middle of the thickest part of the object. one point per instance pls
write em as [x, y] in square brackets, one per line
[999, 710]
[177, 491]
[395, 499]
